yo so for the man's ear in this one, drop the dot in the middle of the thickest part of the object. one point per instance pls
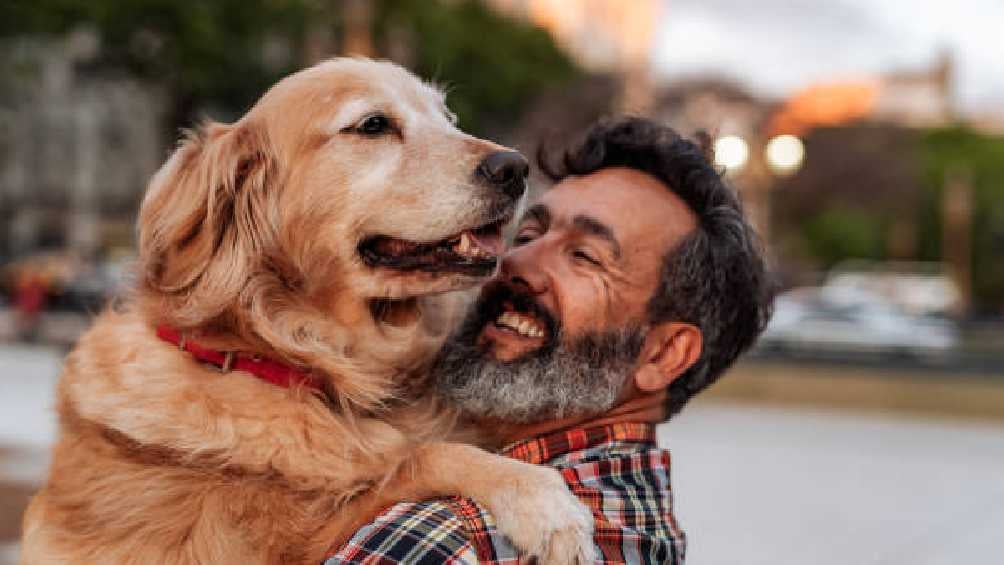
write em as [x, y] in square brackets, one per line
[669, 350]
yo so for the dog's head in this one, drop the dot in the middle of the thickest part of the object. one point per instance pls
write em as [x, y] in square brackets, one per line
[323, 223]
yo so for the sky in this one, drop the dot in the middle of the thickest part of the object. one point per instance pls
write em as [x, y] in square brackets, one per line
[776, 47]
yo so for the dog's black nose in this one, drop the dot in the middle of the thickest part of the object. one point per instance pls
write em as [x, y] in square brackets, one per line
[506, 170]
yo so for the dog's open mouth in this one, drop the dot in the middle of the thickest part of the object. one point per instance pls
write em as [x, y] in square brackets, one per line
[472, 252]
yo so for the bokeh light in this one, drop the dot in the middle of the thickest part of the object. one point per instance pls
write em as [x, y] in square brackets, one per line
[785, 154]
[731, 152]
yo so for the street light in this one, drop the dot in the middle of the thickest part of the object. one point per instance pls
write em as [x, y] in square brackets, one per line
[785, 154]
[731, 152]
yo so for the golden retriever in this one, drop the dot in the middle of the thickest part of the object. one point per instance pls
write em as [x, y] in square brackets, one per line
[321, 233]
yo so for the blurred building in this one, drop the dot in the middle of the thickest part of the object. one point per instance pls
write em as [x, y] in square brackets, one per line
[716, 106]
[917, 97]
[76, 146]
[908, 98]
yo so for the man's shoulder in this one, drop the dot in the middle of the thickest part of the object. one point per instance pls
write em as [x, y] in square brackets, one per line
[624, 481]
[454, 531]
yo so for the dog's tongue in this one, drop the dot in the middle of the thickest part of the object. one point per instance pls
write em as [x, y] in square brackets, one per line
[489, 242]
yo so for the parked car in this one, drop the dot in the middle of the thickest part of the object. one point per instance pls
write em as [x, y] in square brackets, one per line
[806, 322]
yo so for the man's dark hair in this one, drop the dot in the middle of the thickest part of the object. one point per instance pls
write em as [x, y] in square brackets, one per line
[716, 277]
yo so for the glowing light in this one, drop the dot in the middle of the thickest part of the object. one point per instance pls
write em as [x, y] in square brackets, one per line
[731, 152]
[785, 154]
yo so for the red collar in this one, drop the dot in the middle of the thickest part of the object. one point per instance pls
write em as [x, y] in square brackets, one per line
[267, 370]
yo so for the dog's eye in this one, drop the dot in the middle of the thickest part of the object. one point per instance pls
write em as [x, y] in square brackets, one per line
[377, 124]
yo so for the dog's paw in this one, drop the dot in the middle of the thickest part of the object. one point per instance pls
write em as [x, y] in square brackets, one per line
[543, 519]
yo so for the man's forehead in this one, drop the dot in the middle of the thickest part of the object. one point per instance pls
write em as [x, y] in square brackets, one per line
[625, 199]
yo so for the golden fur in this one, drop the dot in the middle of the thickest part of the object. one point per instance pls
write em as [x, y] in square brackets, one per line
[248, 240]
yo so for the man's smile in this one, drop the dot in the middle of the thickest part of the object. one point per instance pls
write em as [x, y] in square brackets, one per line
[514, 324]
[516, 331]
[521, 323]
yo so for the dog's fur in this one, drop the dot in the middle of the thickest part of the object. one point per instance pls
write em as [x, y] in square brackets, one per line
[248, 242]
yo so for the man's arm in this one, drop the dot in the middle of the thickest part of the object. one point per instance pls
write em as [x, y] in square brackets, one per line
[531, 504]
[425, 533]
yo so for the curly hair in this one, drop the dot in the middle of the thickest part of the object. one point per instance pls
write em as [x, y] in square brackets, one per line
[716, 277]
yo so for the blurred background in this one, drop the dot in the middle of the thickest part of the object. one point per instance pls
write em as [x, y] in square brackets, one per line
[866, 138]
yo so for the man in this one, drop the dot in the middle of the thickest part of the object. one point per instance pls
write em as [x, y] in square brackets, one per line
[632, 284]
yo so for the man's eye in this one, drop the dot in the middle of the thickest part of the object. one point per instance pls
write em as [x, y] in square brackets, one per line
[522, 239]
[377, 124]
[583, 256]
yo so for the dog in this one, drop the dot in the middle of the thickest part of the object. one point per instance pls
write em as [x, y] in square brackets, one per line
[261, 394]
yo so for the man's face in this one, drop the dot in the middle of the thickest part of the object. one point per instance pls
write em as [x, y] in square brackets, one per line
[558, 333]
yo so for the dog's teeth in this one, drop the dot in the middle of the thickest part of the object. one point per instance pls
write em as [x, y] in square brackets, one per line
[466, 247]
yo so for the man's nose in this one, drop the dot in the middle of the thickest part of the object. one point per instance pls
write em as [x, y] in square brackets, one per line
[522, 268]
[506, 171]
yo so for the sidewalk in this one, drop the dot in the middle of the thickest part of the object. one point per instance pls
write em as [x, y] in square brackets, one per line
[27, 426]
[756, 484]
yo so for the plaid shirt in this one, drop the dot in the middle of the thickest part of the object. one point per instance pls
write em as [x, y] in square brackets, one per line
[617, 470]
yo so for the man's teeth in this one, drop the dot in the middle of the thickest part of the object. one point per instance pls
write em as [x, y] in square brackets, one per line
[467, 247]
[523, 325]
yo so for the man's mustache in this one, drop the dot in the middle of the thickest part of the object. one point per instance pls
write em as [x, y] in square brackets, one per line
[497, 295]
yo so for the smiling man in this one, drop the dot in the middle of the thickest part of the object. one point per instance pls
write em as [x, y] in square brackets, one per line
[631, 285]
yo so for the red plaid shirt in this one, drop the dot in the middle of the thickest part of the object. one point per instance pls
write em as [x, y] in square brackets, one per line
[617, 470]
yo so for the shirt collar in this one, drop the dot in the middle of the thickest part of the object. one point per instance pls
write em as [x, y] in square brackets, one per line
[542, 449]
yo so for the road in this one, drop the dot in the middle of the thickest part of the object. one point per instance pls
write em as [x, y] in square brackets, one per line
[784, 486]
[753, 484]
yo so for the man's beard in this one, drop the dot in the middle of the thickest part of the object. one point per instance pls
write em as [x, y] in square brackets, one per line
[581, 378]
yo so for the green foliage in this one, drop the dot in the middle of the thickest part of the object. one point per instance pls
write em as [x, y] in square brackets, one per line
[837, 234]
[857, 182]
[210, 54]
[982, 157]
[213, 55]
[492, 66]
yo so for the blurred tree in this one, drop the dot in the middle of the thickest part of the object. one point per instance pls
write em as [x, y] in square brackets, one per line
[981, 157]
[213, 56]
[836, 234]
[858, 183]
[491, 65]
[218, 56]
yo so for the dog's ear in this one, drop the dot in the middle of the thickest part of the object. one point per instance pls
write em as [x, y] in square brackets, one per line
[204, 222]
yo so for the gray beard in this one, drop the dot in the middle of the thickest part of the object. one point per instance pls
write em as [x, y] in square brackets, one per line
[579, 379]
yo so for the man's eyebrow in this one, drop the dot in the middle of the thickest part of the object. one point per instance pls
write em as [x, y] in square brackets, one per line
[594, 227]
[540, 214]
